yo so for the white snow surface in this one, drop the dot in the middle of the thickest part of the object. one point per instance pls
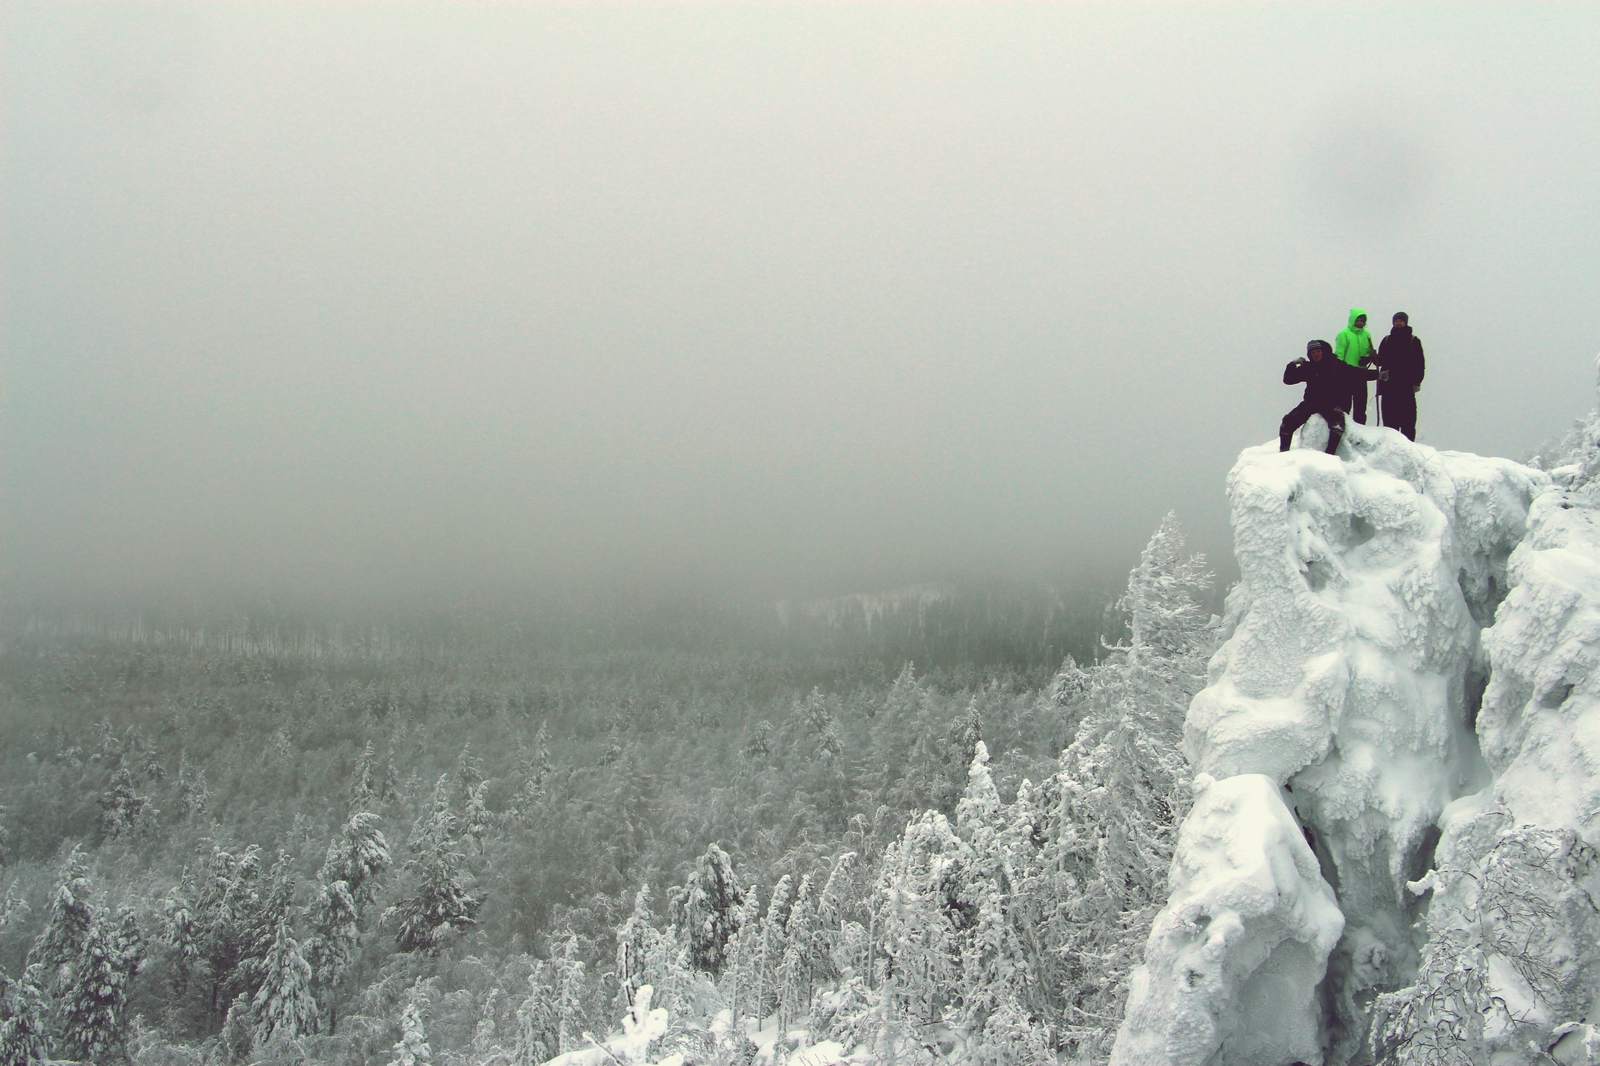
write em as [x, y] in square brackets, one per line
[1349, 679]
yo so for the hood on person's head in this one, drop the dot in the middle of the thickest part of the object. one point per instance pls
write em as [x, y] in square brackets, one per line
[1318, 348]
[1355, 313]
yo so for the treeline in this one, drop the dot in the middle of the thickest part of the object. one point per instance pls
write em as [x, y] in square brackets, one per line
[217, 856]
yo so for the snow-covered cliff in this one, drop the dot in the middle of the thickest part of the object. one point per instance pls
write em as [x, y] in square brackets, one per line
[1359, 712]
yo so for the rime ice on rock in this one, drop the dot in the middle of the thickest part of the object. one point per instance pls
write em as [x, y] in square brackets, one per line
[1350, 678]
[1243, 940]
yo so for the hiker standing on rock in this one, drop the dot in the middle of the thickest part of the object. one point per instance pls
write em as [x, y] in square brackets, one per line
[1353, 346]
[1329, 383]
[1400, 355]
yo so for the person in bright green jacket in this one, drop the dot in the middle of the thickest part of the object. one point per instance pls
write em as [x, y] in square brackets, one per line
[1353, 345]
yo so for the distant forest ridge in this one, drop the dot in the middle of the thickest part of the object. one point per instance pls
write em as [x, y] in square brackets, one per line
[934, 624]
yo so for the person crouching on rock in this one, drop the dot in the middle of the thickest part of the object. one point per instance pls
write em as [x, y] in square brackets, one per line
[1329, 383]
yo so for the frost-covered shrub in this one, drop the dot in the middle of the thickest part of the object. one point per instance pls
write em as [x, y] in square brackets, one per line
[1499, 972]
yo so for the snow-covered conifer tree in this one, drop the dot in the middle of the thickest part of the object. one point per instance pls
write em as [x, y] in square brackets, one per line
[335, 934]
[128, 942]
[634, 938]
[361, 791]
[469, 768]
[412, 1048]
[1094, 886]
[706, 908]
[800, 961]
[93, 1011]
[193, 793]
[238, 1032]
[1000, 1005]
[440, 904]
[916, 925]
[61, 942]
[647, 955]
[770, 947]
[181, 935]
[284, 1005]
[483, 1045]
[569, 981]
[476, 819]
[122, 809]
[358, 857]
[22, 1019]
[537, 1023]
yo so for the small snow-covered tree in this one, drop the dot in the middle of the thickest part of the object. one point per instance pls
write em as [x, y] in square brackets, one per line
[569, 981]
[440, 905]
[476, 819]
[335, 934]
[412, 1049]
[802, 962]
[22, 1019]
[122, 809]
[180, 934]
[647, 955]
[538, 1036]
[94, 1020]
[193, 793]
[742, 956]
[128, 942]
[67, 929]
[918, 912]
[706, 908]
[284, 1005]
[358, 857]
[238, 1032]
[361, 790]
[483, 1045]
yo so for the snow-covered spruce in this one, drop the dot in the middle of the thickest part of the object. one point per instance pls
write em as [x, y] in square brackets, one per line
[1349, 682]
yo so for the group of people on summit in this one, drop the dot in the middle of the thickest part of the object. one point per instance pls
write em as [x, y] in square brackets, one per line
[1336, 375]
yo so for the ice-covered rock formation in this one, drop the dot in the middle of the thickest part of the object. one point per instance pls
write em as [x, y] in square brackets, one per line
[1343, 703]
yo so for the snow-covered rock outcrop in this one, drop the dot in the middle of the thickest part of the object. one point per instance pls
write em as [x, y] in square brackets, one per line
[1250, 924]
[1350, 682]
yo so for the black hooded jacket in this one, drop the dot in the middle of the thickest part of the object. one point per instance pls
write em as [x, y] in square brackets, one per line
[1401, 355]
[1329, 381]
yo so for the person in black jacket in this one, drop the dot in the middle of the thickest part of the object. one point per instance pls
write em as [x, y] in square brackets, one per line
[1401, 355]
[1329, 385]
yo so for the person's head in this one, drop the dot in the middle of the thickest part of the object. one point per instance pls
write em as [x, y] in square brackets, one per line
[1360, 322]
[1315, 350]
[1401, 319]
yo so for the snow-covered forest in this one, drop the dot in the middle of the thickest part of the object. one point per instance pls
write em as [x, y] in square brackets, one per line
[253, 840]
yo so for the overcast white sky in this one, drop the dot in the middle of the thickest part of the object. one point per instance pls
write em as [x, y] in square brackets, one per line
[791, 297]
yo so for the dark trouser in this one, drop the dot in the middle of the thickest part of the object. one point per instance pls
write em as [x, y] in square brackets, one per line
[1400, 412]
[1358, 404]
[1299, 416]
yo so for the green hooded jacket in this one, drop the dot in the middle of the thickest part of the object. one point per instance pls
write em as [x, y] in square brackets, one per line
[1353, 345]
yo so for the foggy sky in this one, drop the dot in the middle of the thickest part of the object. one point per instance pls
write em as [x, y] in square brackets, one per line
[798, 298]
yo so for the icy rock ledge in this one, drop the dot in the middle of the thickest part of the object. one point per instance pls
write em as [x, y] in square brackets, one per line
[1242, 944]
[1351, 677]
